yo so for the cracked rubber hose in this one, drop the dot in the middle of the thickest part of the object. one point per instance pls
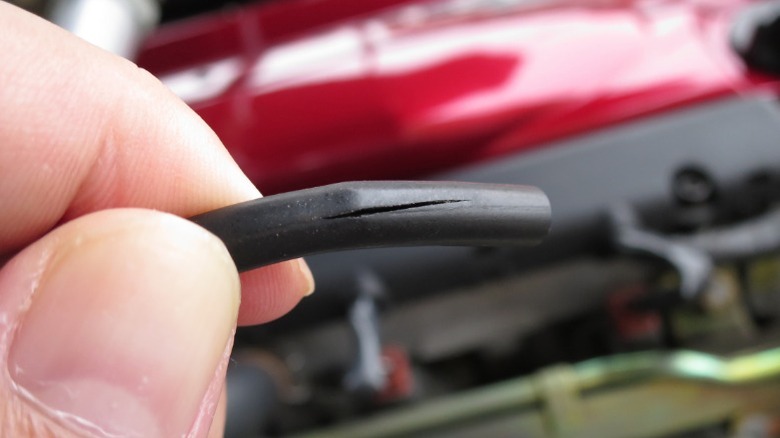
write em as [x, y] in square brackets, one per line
[378, 214]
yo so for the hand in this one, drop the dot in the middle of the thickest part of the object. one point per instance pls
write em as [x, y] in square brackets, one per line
[115, 318]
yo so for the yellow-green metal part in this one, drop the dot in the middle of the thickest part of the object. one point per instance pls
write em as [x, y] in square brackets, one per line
[638, 395]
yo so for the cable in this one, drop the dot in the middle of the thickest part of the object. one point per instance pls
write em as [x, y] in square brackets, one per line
[378, 214]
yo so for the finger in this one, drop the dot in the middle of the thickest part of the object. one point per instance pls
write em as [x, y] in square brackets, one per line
[82, 130]
[277, 281]
[118, 322]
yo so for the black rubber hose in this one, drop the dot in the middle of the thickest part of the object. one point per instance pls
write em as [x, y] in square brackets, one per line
[378, 214]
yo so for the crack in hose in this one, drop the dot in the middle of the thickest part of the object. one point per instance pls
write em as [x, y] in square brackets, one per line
[393, 208]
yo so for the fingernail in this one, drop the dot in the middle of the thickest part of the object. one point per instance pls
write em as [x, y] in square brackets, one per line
[128, 325]
[308, 276]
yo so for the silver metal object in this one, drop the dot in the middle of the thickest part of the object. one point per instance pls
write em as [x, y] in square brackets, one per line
[118, 26]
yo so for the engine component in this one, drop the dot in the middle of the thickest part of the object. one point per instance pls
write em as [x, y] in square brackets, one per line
[118, 26]
[756, 36]
[368, 374]
[693, 265]
[686, 389]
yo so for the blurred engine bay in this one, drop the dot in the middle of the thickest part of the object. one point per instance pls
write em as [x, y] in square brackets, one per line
[653, 308]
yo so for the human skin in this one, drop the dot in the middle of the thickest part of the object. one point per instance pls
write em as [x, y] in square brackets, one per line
[116, 315]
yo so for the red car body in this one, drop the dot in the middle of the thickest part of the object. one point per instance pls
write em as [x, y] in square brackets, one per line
[311, 92]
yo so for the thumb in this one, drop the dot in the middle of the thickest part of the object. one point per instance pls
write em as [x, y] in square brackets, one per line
[117, 323]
